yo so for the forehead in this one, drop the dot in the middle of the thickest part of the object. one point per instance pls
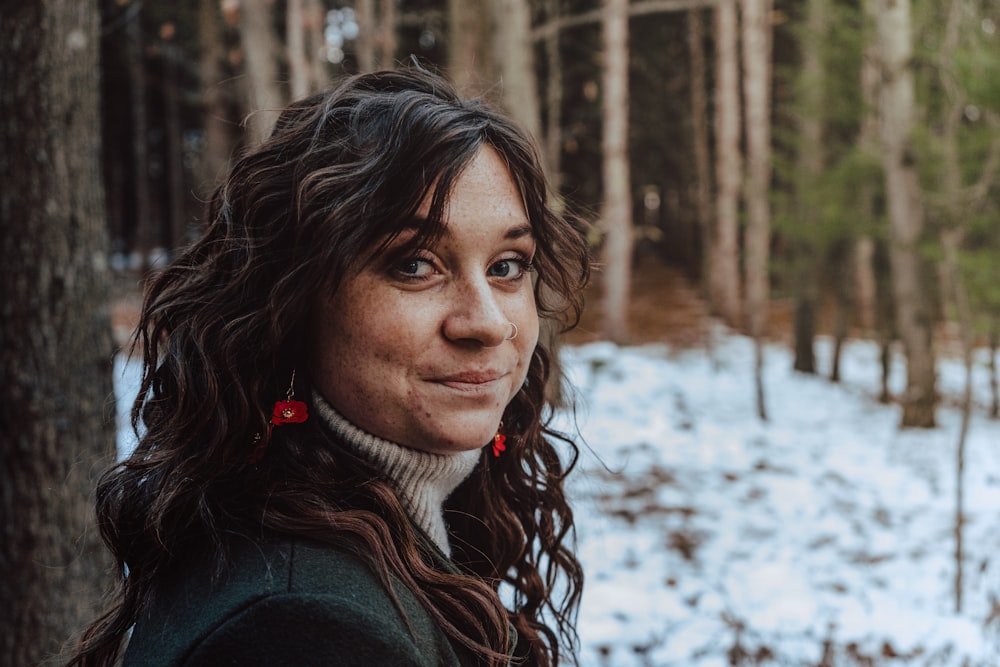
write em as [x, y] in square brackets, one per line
[485, 187]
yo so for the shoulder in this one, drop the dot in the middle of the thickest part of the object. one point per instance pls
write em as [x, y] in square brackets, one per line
[285, 602]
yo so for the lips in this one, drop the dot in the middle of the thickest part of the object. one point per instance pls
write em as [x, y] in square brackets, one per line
[471, 381]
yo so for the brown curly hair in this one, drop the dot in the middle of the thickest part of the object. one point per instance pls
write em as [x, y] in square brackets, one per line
[223, 326]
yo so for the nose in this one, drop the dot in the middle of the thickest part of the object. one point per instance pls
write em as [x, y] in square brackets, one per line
[476, 316]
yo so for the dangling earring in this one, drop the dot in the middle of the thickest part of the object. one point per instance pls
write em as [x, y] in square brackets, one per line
[499, 442]
[288, 411]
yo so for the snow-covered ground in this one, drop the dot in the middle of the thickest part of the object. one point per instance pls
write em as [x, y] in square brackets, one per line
[822, 537]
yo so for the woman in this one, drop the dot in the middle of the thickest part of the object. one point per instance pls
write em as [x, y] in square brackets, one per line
[345, 458]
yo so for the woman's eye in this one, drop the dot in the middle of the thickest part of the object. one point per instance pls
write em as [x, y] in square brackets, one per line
[510, 269]
[415, 268]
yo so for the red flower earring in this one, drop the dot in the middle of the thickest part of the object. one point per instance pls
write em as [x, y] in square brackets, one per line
[499, 442]
[288, 411]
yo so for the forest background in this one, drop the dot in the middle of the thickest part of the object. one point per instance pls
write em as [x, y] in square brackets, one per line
[834, 161]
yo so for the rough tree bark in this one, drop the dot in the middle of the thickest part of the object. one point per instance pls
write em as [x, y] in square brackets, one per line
[55, 379]
[906, 211]
[756, 93]
[616, 214]
[724, 280]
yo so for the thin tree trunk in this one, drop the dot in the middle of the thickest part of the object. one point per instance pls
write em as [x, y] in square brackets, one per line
[514, 55]
[295, 44]
[143, 223]
[906, 212]
[617, 209]
[367, 34]
[217, 98]
[470, 53]
[868, 144]
[842, 262]
[553, 108]
[810, 161]
[387, 40]
[260, 52]
[315, 17]
[699, 131]
[724, 280]
[175, 148]
[884, 316]
[55, 379]
[756, 93]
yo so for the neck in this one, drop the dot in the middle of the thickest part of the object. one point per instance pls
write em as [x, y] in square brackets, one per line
[422, 480]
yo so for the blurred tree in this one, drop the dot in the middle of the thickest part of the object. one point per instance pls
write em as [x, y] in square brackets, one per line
[724, 279]
[260, 52]
[218, 98]
[514, 55]
[553, 102]
[295, 43]
[810, 164]
[756, 95]
[700, 139]
[377, 39]
[367, 34]
[54, 330]
[616, 213]
[471, 59]
[906, 211]
[143, 211]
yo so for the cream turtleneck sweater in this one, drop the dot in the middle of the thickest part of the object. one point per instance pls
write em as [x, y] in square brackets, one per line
[423, 480]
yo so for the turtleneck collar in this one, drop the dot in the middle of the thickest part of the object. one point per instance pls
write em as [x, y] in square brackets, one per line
[423, 480]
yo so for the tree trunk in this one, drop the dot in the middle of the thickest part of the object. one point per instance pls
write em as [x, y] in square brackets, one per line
[143, 223]
[217, 98]
[842, 262]
[699, 131]
[57, 408]
[617, 209]
[367, 34]
[514, 55]
[905, 210]
[810, 161]
[724, 280]
[756, 93]
[387, 40]
[175, 148]
[315, 17]
[553, 109]
[295, 44]
[470, 52]
[260, 53]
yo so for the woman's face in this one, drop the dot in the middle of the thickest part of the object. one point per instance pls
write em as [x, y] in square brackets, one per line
[416, 350]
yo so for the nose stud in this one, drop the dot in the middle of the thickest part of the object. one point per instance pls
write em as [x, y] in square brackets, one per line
[513, 331]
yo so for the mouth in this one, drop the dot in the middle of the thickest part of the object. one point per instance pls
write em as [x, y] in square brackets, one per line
[471, 381]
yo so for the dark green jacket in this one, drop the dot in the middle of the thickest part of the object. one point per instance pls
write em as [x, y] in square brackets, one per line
[286, 602]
